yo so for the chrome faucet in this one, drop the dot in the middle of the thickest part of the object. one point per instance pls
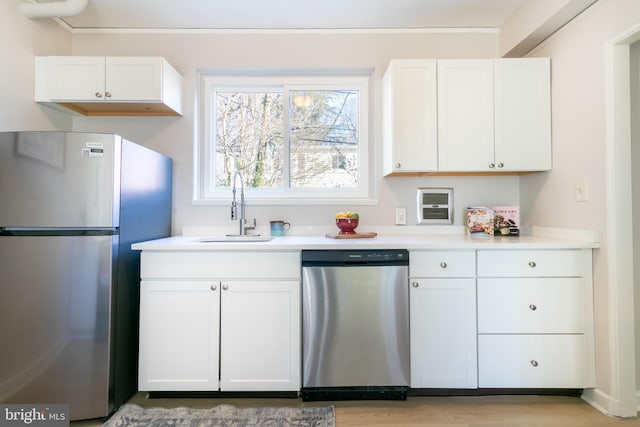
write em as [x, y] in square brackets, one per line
[234, 206]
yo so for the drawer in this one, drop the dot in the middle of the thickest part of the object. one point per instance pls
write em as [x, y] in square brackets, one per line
[220, 265]
[442, 264]
[541, 263]
[531, 305]
[532, 361]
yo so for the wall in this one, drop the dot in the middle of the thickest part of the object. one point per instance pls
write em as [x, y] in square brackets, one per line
[578, 57]
[190, 52]
[534, 21]
[24, 38]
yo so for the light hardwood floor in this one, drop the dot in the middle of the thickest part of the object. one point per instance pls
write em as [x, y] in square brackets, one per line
[477, 411]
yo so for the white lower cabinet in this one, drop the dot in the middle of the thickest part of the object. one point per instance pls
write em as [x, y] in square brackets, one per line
[532, 361]
[230, 333]
[260, 335]
[443, 319]
[494, 318]
[179, 335]
[535, 319]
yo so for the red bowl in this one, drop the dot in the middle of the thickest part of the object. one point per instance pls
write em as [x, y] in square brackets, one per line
[347, 225]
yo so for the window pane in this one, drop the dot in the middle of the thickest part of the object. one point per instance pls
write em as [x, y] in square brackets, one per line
[324, 138]
[249, 128]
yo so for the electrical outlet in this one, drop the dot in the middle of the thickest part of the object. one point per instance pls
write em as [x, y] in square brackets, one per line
[401, 216]
[582, 193]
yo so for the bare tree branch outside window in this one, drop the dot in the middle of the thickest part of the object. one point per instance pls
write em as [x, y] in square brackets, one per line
[322, 137]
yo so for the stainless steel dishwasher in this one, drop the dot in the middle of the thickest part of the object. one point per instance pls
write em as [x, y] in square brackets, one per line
[355, 324]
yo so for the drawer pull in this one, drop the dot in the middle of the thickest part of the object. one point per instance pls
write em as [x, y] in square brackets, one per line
[443, 264]
[534, 363]
[415, 284]
[398, 165]
[225, 287]
[214, 287]
[532, 264]
[533, 307]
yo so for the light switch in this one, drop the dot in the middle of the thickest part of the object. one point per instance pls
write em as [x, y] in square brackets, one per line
[582, 192]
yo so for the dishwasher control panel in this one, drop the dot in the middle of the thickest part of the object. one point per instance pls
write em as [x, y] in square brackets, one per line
[352, 257]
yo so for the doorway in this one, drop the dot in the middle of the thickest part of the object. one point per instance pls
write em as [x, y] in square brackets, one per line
[623, 81]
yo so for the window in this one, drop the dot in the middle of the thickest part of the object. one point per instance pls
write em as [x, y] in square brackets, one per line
[299, 138]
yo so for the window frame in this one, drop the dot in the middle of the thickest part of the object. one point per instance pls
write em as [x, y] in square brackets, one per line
[205, 191]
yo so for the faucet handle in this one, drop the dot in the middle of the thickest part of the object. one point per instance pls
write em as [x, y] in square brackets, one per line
[250, 227]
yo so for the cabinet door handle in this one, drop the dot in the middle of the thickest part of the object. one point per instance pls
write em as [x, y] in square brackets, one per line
[225, 287]
[98, 95]
[532, 264]
[534, 363]
[107, 94]
[214, 287]
[533, 307]
[500, 165]
[415, 284]
[492, 165]
[443, 264]
[398, 165]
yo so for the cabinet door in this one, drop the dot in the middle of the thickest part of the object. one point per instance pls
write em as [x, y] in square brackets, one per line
[410, 116]
[465, 115]
[443, 333]
[522, 114]
[260, 336]
[179, 342]
[75, 78]
[133, 78]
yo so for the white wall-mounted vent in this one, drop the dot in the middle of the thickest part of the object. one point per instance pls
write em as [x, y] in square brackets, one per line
[435, 205]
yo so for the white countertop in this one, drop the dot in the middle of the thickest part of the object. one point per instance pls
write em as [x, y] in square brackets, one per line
[386, 240]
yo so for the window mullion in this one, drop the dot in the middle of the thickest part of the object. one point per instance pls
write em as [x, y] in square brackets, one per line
[286, 133]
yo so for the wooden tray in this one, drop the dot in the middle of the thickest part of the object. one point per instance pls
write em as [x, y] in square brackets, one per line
[351, 236]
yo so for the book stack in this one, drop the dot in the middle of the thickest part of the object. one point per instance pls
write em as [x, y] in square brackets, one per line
[498, 221]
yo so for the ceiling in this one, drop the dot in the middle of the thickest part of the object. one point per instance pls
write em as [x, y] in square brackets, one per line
[291, 14]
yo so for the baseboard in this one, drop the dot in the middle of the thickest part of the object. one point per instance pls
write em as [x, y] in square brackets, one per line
[598, 399]
[608, 405]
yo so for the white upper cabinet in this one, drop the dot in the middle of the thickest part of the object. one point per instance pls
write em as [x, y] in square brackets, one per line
[465, 115]
[410, 115]
[97, 85]
[70, 78]
[522, 105]
[494, 115]
[485, 116]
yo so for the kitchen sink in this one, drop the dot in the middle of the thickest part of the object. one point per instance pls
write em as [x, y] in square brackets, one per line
[235, 238]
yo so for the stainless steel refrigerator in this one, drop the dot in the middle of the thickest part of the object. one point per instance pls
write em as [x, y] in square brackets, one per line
[71, 205]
